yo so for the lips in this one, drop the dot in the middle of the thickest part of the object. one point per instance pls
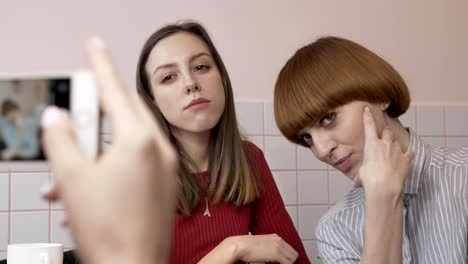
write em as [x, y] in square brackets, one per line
[343, 164]
[195, 102]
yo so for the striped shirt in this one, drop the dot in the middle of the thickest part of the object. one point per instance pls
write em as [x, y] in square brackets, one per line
[435, 212]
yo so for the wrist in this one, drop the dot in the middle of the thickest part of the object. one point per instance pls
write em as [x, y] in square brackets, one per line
[227, 251]
[384, 196]
[384, 203]
[234, 249]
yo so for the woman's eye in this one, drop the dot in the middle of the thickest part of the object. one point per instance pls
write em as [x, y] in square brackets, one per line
[201, 67]
[328, 119]
[306, 138]
[167, 78]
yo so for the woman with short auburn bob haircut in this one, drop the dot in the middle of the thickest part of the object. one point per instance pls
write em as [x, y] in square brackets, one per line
[343, 102]
[329, 73]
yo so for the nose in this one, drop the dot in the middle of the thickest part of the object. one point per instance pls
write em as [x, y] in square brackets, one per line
[323, 144]
[191, 84]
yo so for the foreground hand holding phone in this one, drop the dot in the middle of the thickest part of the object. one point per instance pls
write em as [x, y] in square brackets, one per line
[120, 207]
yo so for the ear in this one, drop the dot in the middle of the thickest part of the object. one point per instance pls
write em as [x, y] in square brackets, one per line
[379, 115]
[375, 108]
[385, 106]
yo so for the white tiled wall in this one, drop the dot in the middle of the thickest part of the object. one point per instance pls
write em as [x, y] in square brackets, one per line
[25, 191]
[309, 187]
[292, 210]
[309, 215]
[455, 120]
[279, 153]
[287, 185]
[430, 121]
[26, 227]
[307, 193]
[4, 191]
[4, 230]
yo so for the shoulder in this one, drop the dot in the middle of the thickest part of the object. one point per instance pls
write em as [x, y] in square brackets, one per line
[255, 155]
[449, 156]
[259, 165]
[252, 149]
[345, 216]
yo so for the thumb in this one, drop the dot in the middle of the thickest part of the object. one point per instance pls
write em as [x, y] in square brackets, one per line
[357, 181]
[60, 144]
[408, 158]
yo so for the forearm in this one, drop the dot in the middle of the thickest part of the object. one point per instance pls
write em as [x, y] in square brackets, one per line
[225, 253]
[383, 231]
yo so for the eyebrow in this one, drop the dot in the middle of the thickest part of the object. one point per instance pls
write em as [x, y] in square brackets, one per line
[170, 65]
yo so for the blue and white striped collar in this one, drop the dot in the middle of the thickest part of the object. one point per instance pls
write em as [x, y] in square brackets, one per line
[419, 164]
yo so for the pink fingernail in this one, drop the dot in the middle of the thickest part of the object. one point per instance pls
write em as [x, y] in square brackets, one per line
[51, 116]
[366, 108]
[45, 188]
[97, 42]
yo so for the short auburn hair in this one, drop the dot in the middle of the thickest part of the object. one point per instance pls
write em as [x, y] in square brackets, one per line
[329, 73]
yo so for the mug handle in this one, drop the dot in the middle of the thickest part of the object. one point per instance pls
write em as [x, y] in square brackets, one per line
[44, 258]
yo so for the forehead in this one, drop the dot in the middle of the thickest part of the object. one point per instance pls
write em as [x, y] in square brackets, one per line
[176, 48]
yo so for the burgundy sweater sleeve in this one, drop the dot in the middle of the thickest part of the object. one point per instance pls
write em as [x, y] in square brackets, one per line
[269, 214]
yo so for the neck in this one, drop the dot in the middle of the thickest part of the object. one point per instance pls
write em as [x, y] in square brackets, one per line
[400, 133]
[196, 147]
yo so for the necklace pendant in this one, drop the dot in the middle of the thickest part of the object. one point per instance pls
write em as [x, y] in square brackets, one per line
[207, 213]
[207, 209]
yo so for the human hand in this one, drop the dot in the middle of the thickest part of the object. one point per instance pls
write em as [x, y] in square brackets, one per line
[9, 154]
[120, 207]
[252, 248]
[385, 165]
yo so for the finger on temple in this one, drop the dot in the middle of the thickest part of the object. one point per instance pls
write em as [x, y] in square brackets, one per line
[370, 131]
[387, 135]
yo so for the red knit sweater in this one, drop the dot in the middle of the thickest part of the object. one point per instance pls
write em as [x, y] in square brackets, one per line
[196, 235]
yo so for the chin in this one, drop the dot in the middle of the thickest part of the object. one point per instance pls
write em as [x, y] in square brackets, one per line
[351, 173]
[205, 123]
[201, 128]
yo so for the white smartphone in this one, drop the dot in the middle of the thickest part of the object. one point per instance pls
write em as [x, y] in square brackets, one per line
[23, 97]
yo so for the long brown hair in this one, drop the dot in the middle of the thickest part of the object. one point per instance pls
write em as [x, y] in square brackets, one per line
[231, 171]
[331, 72]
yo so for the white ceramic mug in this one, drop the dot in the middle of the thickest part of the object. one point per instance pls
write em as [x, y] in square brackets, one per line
[35, 253]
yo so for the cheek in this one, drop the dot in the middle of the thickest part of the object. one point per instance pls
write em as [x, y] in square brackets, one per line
[314, 152]
[167, 102]
[212, 81]
[350, 134]
[214, 87]
[221, 97]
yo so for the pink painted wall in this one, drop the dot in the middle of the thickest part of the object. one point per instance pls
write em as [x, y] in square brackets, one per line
[427, 40]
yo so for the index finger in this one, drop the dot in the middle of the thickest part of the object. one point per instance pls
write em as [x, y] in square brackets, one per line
[370, 131]
[113, 96]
